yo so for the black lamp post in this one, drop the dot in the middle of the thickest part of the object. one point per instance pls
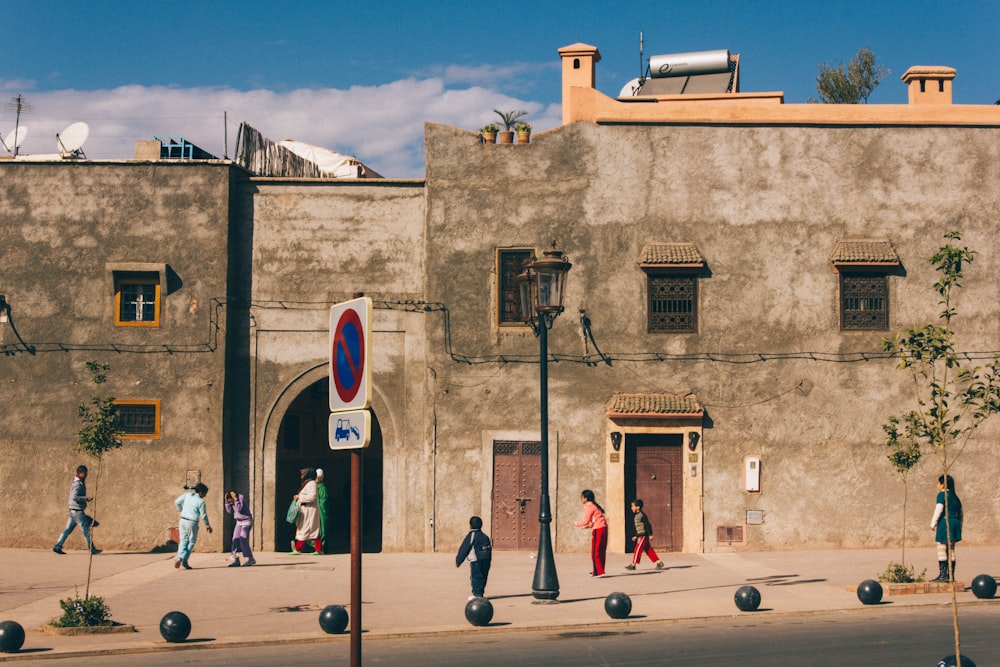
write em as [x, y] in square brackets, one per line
[542, 285]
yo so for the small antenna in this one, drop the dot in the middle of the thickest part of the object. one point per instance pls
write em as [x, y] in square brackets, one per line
[642, 69]
[18, 104]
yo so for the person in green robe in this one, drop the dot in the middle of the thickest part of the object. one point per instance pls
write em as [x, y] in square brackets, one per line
[324, 510]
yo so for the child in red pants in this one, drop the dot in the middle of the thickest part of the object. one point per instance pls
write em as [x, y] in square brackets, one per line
[594, 519]
[643, 533]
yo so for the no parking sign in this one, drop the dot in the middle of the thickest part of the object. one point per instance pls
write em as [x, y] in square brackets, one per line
[350, 371]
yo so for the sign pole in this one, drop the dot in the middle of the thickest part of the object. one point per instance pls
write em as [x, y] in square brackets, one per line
[356, 557]
[350, 422]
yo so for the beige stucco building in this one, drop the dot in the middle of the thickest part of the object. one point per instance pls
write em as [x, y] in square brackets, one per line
[736, 264]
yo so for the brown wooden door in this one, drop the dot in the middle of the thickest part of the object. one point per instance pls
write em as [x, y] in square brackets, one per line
[657, 475]
[517, 484]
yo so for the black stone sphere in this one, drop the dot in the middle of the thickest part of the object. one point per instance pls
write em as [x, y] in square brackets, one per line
[949, 661]
[11, 636]
[479, 611]
[870, 591]
[333, 619]
[984, 586]
[747, 598]
[175, 626]
[618, 605]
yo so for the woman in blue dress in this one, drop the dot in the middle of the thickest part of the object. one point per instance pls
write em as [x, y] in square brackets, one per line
[947, 532]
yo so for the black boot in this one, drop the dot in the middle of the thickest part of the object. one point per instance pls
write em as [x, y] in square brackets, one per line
[942, 572]
[953, 572]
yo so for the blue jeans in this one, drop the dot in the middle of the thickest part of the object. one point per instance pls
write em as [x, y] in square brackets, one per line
[479, 571]
[76, 517]
[189, 535]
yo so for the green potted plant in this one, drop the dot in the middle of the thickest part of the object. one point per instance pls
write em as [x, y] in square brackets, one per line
[523, 132]
[509, 119]
[489, 133]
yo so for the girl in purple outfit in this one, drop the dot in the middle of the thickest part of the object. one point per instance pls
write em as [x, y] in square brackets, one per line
[236, 505]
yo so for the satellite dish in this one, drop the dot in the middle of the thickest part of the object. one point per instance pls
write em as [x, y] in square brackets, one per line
[631, 88]
[14, 139]
[70, 141]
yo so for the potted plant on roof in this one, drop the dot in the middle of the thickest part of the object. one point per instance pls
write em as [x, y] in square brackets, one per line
[489, 133]
[523, 133]
[509, 119]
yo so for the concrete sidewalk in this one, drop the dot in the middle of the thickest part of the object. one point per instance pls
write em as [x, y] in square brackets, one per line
[279, 599]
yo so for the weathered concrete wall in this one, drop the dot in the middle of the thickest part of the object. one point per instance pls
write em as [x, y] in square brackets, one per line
[766, 207]
[316, 244]
[61, 226]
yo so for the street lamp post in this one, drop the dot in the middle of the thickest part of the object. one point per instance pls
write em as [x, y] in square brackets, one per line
[542, 285]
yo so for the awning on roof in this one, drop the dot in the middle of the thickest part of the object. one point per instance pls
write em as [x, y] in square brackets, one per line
[671, 255]
[864, 252]
[654, 406]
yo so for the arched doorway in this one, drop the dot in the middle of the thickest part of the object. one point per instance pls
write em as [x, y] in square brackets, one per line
[303, 442]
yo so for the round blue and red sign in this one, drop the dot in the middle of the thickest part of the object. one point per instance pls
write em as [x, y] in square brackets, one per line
[348, 350]
[348, 355]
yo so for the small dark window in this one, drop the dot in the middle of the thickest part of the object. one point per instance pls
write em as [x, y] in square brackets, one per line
[138, 419]
[864, 301]
[509, 264]
[673, 303]
[137, 301]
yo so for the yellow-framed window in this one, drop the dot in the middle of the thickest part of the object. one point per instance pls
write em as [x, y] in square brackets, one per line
[137, 301]
[138, 419]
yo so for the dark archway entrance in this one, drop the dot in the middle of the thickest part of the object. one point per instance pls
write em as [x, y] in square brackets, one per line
[303, 443]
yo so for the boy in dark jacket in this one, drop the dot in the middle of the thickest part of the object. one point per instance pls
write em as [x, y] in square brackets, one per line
[476, 549]
[643, 533]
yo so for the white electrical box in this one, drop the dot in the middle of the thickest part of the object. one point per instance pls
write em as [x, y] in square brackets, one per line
[751, 473]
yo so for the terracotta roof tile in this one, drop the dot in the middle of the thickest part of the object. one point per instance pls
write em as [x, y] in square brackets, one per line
[654, 405]
[871, 251]
[660, 254]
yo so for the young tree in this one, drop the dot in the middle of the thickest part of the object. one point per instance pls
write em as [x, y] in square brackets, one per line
[952, 397]
[904, 456]
[98, 434]
[853, 84]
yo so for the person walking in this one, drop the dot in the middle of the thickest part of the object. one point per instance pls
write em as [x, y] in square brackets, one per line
[236, 504]
[477, 549]
[191, 505]
[77, 513]
[947, 528]
[643, 534]
[594, 519]
[323, 505]
[307, 523]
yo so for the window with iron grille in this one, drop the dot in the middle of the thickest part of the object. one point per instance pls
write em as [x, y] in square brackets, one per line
[510, 262]
[137, 300]
[864, 301]
[138, 419]
[673, 303]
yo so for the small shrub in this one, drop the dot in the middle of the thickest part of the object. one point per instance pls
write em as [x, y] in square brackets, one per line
[897, 573]
[83, 613]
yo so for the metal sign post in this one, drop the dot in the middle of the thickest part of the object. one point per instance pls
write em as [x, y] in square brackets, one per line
[350, 423]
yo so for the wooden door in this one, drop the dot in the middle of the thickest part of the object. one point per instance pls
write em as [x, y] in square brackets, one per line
[656, 472]
[517, 484]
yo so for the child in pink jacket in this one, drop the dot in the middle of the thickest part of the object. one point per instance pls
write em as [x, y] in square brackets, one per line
[593, 518]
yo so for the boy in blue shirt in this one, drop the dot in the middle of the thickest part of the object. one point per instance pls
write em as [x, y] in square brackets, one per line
[476, 549]
[191, 505]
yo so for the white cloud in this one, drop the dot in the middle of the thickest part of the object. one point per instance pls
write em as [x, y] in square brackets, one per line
[380, 125]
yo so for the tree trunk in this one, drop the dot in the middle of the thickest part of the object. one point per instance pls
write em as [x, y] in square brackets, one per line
[90, 554]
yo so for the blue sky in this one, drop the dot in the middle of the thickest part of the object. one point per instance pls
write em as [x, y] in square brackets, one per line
[361, 78]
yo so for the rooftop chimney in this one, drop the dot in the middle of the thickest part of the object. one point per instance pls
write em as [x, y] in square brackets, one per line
[578, 70]
[929, 84]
